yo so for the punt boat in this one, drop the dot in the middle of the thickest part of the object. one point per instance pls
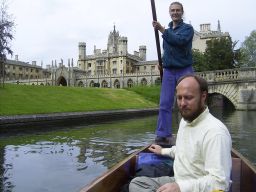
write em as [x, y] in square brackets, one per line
[243, 174]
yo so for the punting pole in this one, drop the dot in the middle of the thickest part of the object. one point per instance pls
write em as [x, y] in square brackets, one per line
[157, 39]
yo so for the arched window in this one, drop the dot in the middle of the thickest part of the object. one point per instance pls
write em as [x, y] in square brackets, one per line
[91, 84]
[158, 81]
[117, 84]
[104, 84]
[129, 83]
[144, 82]
[80, 84]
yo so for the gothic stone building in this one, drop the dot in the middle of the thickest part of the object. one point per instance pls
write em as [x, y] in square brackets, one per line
[113, 67]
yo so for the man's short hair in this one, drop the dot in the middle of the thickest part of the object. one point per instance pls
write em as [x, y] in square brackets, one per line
[201, 81]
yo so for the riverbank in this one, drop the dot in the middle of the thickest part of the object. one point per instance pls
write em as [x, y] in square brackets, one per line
[74, 118]
[30, 100]
[37, 106]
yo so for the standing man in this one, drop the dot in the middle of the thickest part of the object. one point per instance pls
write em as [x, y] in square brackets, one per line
[202, 155]
[177, 61]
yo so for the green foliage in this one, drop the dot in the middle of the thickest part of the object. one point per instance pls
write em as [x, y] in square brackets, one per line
[199, 62]
[248, 50]
[6, 35]
[219, 54]
[26, 99]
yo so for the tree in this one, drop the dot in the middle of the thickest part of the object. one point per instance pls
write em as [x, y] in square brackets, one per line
[6, 35]
[219, 53]
[248, 50]
[199, 62]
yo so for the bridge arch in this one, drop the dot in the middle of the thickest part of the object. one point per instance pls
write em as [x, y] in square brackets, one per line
[219, 100]
[227, 90]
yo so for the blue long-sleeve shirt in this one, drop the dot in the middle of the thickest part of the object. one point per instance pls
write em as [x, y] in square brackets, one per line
[177, 45]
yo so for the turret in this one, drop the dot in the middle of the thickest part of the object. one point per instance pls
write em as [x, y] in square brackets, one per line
[122, 45]
[82, 50]
[113, 41]
[219, 28]
[143, 52]
[205, 28]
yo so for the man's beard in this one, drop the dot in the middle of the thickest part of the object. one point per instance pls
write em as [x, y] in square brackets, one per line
[188, 115]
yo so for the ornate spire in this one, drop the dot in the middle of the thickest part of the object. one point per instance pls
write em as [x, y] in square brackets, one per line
[219, 29]
[114, 28]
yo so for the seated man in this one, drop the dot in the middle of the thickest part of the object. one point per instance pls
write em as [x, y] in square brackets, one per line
[202, 155]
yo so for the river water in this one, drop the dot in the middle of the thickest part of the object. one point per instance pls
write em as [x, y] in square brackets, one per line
[67, 158]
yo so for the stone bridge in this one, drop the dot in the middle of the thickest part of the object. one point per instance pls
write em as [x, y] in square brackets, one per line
[237, 85]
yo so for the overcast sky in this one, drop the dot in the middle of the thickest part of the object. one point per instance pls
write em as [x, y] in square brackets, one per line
[49, 30]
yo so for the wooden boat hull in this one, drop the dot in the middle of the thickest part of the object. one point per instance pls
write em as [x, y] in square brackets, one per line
[243, 175]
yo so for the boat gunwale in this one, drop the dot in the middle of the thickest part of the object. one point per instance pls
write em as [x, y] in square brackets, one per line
[245, 164]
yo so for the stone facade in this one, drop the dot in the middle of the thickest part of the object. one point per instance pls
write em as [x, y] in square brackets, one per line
[19, 70]
[115, 59]
[201, 37]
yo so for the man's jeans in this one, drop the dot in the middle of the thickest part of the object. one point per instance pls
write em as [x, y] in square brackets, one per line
[169, 82]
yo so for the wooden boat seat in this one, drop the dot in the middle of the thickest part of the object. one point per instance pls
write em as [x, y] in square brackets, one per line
[235, 175]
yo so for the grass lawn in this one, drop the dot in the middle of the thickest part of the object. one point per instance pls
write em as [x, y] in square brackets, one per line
[25, 99]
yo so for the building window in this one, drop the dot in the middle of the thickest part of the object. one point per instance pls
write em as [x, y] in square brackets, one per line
[143, 82]
[114, 71]
[104, 84]
[145, 67]
[117, 84]
[130, 83]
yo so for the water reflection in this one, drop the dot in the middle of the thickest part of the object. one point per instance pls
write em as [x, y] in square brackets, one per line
[66, 159]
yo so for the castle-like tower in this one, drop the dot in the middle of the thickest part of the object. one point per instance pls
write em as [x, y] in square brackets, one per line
[115, 59]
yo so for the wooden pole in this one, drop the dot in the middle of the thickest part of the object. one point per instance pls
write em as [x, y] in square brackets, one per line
[157, 39]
